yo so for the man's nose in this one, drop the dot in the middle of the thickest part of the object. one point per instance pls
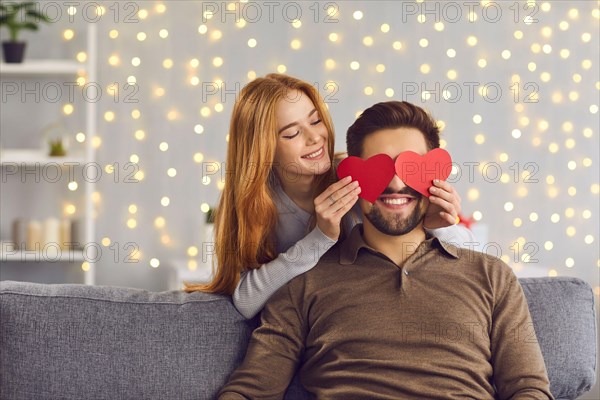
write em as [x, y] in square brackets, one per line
[396, 184]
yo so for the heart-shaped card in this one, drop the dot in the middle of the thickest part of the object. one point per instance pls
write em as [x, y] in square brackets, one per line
[373, 174]
[419, 171]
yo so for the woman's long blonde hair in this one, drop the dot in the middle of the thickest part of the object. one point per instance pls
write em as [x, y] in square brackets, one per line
[246, 215]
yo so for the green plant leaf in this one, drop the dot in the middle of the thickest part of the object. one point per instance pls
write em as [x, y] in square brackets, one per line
[38, 15]
[30, 25]
[26, 5]
[32, 18]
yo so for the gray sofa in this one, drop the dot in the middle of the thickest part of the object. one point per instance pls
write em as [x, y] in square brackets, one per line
[71, 341]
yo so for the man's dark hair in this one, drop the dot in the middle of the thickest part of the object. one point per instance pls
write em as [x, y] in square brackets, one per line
[391, 115]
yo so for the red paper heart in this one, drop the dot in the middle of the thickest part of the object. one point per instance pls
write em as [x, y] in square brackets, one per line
[373, 174]
[418, 171]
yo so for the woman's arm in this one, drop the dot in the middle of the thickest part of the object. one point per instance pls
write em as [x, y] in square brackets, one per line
[256, 286]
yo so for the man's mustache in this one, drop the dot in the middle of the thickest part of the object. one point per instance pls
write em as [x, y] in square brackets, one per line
[406, 190]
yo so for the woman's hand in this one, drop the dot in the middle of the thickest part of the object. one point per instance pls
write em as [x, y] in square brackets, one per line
[444, 206]
[333, 204]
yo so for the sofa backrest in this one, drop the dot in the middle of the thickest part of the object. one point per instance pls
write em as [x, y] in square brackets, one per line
[74, 341]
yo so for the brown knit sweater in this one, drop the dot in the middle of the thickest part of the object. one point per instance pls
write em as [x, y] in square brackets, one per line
[447, 323]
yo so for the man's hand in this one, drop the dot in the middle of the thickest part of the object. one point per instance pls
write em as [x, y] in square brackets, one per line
[444, 206]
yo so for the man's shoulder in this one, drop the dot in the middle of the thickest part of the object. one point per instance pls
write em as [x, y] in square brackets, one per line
[486, 261]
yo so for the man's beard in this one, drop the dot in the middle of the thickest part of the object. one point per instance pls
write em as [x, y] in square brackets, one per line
[398, 225]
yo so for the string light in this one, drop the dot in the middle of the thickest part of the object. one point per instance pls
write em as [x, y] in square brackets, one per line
[526, 125]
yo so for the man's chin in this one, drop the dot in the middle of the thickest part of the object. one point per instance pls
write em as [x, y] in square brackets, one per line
[395, 221]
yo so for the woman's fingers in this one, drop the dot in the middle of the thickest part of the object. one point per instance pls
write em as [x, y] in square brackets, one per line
[331, 189]
[348, 198]
[443, 185]
[446, 192]
[448, 217]
[334, 207]
[335, 196]
[344, 192]
[446, 206]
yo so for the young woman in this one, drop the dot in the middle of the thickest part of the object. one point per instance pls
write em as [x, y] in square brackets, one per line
[282, 206]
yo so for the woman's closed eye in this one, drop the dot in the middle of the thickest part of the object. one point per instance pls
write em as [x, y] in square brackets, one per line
[292, 136]
[298, 132]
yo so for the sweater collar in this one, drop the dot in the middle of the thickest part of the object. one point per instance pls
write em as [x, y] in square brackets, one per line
[354, 242]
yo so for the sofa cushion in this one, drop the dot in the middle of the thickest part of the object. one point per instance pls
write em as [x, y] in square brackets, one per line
[564, 318]
[73, 341]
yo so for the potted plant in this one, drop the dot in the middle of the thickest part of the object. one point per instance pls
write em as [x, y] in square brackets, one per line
[56, 148]
[209, 235]
[210, 215]
[9, 16]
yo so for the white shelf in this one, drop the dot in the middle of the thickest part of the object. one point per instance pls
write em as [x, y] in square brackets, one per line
[42, 67]
[36, 157]
[33, 69]
[37, 256]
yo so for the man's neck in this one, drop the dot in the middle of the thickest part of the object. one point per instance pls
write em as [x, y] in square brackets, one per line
[300, 190]
[396, 248]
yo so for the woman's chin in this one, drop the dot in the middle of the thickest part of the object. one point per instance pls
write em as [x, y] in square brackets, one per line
[317, 167]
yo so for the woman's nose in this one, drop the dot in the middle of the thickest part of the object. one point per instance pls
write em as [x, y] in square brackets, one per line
[312, 136]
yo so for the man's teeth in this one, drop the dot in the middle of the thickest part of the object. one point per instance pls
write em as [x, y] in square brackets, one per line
[315, 154]
[402, 200]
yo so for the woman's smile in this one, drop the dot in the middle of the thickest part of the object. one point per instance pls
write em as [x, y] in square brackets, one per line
[316, 155]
